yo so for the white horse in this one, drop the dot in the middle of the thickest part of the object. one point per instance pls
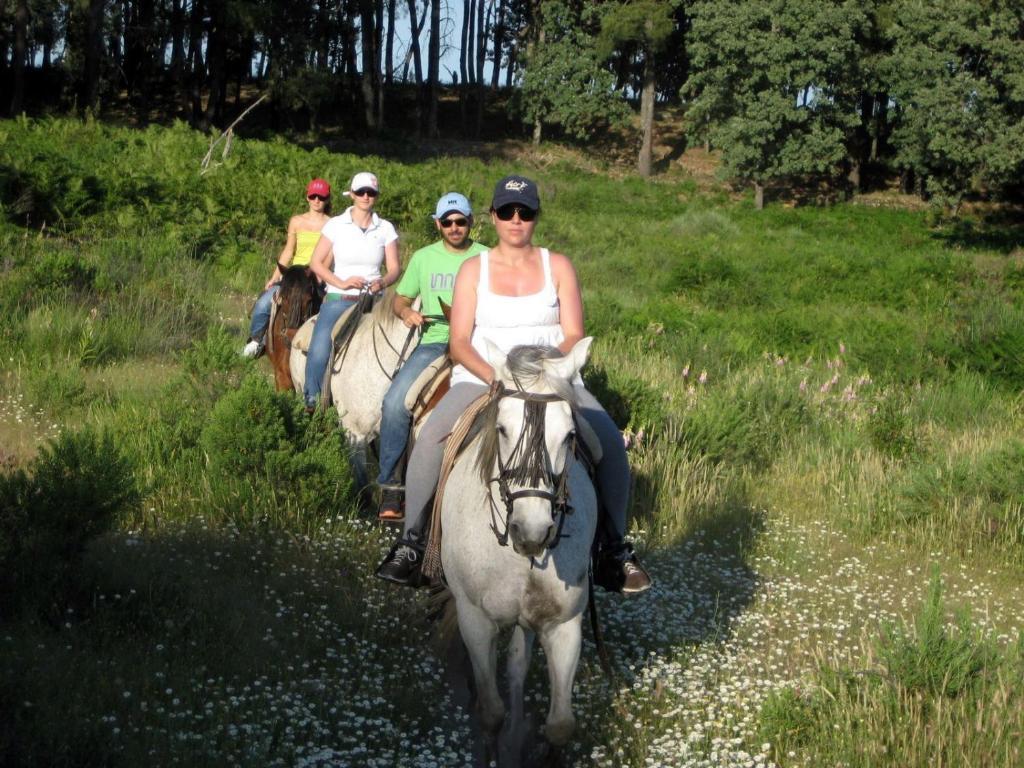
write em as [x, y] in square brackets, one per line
[361, 375]
[520, 483]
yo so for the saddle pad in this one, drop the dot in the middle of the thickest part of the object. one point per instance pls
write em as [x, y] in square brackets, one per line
[428, 381]
[305, 334]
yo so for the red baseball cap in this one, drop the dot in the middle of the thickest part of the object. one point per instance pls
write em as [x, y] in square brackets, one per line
[318, 187]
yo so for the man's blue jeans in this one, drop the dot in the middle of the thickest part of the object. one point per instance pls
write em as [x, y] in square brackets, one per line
[320, 348]
[395, 418]
[261, 313]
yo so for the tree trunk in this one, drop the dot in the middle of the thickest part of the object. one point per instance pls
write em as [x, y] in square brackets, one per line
[643, 163]
[434, 66]
[177, 40]
[414, 32]
[464, 43]
[538, 41]
[499, 35]
[510, 73]
[481, 57]
[196, 64]
[389, 55]
[881, 119]
[18, 57]
[367, 23]
[89, 90]
[216, 64]
[378, 52]
[758, 196]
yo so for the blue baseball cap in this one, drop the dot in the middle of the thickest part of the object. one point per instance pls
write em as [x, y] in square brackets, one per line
[453, 201]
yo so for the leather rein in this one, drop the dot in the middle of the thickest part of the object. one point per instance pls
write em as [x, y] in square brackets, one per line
[558, 498]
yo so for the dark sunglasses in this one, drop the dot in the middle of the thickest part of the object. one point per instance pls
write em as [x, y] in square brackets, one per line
[506, 212]
[446, 223]
[325, 198]
[365, 192]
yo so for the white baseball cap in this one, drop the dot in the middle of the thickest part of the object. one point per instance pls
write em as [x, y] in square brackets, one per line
[364, 180]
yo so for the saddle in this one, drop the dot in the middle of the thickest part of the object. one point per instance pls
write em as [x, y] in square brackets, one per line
[304, 335]
[428, 388]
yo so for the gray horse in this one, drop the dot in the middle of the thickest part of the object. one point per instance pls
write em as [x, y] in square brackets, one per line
[361, 375]
[520, 484]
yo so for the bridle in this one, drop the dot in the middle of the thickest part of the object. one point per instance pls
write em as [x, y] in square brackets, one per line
[530, 462]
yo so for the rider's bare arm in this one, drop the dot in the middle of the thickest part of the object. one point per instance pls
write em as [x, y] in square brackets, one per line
[462, 321]
[570, 302]
[287, 253]
[402, 307]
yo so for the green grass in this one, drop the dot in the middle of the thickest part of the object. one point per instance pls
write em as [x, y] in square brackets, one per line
[849, 367]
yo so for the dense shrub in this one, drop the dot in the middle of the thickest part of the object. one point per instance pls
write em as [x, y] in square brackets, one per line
[269, 461]
[932, 657]
[71, 493]
[890, 428]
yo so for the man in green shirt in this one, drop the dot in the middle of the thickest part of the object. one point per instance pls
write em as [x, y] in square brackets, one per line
[430, 275]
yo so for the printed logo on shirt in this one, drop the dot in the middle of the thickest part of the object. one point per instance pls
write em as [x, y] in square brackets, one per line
[442, 281]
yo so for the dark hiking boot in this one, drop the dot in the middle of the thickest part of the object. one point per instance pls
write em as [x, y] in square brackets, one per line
[390, 508]
[402, 564]
[616, 569]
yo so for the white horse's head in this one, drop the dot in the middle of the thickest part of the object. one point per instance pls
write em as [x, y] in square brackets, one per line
[534, 434]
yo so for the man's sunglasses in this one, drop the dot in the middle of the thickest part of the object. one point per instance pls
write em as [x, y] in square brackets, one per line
[506, 212]
[446, 223]
[365, 192]
[325, 198]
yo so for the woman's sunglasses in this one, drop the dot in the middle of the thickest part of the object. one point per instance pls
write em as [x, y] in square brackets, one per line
[446, 223]
[324, 198]
[506, 212]
[365, 192]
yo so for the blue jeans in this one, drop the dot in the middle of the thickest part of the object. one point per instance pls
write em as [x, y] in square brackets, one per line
[395, 419]
[261, 313]
[320, 348]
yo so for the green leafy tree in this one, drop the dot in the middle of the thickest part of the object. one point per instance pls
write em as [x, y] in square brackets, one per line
[775, 82]
[646, 26]
[564, 83]
[957, 76]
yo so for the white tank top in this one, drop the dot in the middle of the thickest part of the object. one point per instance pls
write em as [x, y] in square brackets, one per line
[509, 321]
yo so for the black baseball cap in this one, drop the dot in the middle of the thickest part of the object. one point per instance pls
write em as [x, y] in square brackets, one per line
[517, 190]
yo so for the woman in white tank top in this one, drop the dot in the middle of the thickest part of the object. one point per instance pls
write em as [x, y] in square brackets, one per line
[514, 294]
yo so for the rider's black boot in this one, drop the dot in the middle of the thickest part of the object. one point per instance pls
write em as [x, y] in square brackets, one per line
[402, 564]
[616, 569]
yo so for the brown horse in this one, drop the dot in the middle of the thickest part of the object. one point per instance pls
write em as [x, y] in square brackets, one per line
[297, 300]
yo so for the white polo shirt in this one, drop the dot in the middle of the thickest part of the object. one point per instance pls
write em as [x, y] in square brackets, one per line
[357, 253]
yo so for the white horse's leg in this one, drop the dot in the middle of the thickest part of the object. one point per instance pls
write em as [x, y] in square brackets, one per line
[561, 644]
[357, 456]
[519, 649]
[480, 635]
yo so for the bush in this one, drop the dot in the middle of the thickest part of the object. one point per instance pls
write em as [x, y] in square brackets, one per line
[931, 658]
[890, 428]
[72, 493]
[269, 462]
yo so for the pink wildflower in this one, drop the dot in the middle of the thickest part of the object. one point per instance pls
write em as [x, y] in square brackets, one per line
[702, 379]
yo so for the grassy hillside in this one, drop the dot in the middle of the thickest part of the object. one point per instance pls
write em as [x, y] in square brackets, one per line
[854, 372]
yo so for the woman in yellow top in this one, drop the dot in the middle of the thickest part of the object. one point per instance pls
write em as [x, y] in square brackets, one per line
[303, 234]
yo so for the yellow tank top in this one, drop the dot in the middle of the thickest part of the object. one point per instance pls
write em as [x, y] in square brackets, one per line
[305, 242]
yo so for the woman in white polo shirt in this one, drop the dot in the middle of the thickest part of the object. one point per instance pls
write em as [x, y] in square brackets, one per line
[348, 258]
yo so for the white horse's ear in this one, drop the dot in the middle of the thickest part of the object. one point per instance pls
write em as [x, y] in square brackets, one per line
[496, 358]
[567, 367]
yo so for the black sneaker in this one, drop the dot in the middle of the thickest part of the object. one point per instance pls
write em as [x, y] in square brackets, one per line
[390, 508]
[402, 564]
[616, 569]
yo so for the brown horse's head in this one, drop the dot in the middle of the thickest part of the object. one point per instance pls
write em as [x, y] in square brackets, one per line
[298, 297]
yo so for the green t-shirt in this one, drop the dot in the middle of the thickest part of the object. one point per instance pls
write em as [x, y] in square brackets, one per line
[431, 275]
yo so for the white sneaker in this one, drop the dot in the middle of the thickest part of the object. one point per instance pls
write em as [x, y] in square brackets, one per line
[251, 349]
